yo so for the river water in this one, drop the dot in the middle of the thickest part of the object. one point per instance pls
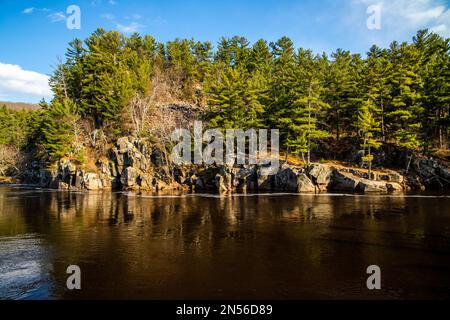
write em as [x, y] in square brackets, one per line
[206, 246]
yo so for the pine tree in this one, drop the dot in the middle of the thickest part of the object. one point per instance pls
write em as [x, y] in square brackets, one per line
[224, 52]
[237, 99]
[240, 52]
[260, 58]
[339, 90]
[308, 106]
[376, 84]
[435, 72]
[368, 129]
[107, 83]
[227, 108]
[405, 107]
[282, 87]
[203, 54]
[59, 129]
[396, 95]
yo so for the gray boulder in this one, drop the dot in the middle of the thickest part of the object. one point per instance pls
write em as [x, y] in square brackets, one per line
[372, 186]
[128, 178]
[92, 181]
[286, 179]
[344, 181]
[320, 174]
[394, 187]
[304, 184]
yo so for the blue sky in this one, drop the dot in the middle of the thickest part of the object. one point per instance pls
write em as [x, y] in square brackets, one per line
[34, 33]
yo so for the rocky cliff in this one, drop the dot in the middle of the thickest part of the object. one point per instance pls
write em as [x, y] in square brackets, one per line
[134, 165]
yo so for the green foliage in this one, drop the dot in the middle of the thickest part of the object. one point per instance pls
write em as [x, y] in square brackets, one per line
[342, 83]
[399, 94]
[59, 129]
[237, 99]
[368, 128]
[103, 74]
[406, 110]
[301, 119]
[16, 127]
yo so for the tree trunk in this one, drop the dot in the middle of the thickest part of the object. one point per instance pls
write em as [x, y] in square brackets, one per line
[383, 132]
[309, 132]
[370, 165]
[337, 125]
[441, 143]
[287, 153]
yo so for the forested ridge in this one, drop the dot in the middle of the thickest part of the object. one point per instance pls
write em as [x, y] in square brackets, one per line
[111, 85]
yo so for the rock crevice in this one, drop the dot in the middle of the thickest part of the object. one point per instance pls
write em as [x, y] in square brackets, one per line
[133, 165]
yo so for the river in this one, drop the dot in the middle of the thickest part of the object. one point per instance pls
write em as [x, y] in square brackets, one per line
[206, 246]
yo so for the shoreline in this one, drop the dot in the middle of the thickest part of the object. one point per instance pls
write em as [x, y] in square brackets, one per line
[132, 165]
[215, 194]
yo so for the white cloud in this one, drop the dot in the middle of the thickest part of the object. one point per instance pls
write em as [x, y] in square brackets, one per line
[439, 29]
[15, 81]
[130, 28]
[401, 19]
[112, 2]
[420, 17]
[443, 24]
[107, 16]
[412, 15]
[57, 17]
[35, 10]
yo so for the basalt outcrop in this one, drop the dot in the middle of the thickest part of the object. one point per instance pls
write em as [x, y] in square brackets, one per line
[133, 165]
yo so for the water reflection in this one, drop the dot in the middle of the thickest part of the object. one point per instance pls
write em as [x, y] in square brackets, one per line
[206, 246]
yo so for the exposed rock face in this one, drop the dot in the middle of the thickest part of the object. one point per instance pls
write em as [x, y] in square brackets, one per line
[264, 179]
[304, 184]
[344, 181]
[92, 181]
[351, 182]
[129, 177]
[128, 167]
[133, 165]
[394, 187]
[430, 174]
[367, 186]
[286, 179]
[320, 175]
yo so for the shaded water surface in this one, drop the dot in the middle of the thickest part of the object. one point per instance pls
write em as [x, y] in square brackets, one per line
[205, 246]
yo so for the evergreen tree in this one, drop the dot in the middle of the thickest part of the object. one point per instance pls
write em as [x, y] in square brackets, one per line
[339, 90]
[368, 129]
[376, 84]
[405, 81]
[107, 84]
[260, 58]
[307, 107]
[434, 98]
[237, 100]
[282, 89]
[59, 129]
[396, 95]
[224, 52]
